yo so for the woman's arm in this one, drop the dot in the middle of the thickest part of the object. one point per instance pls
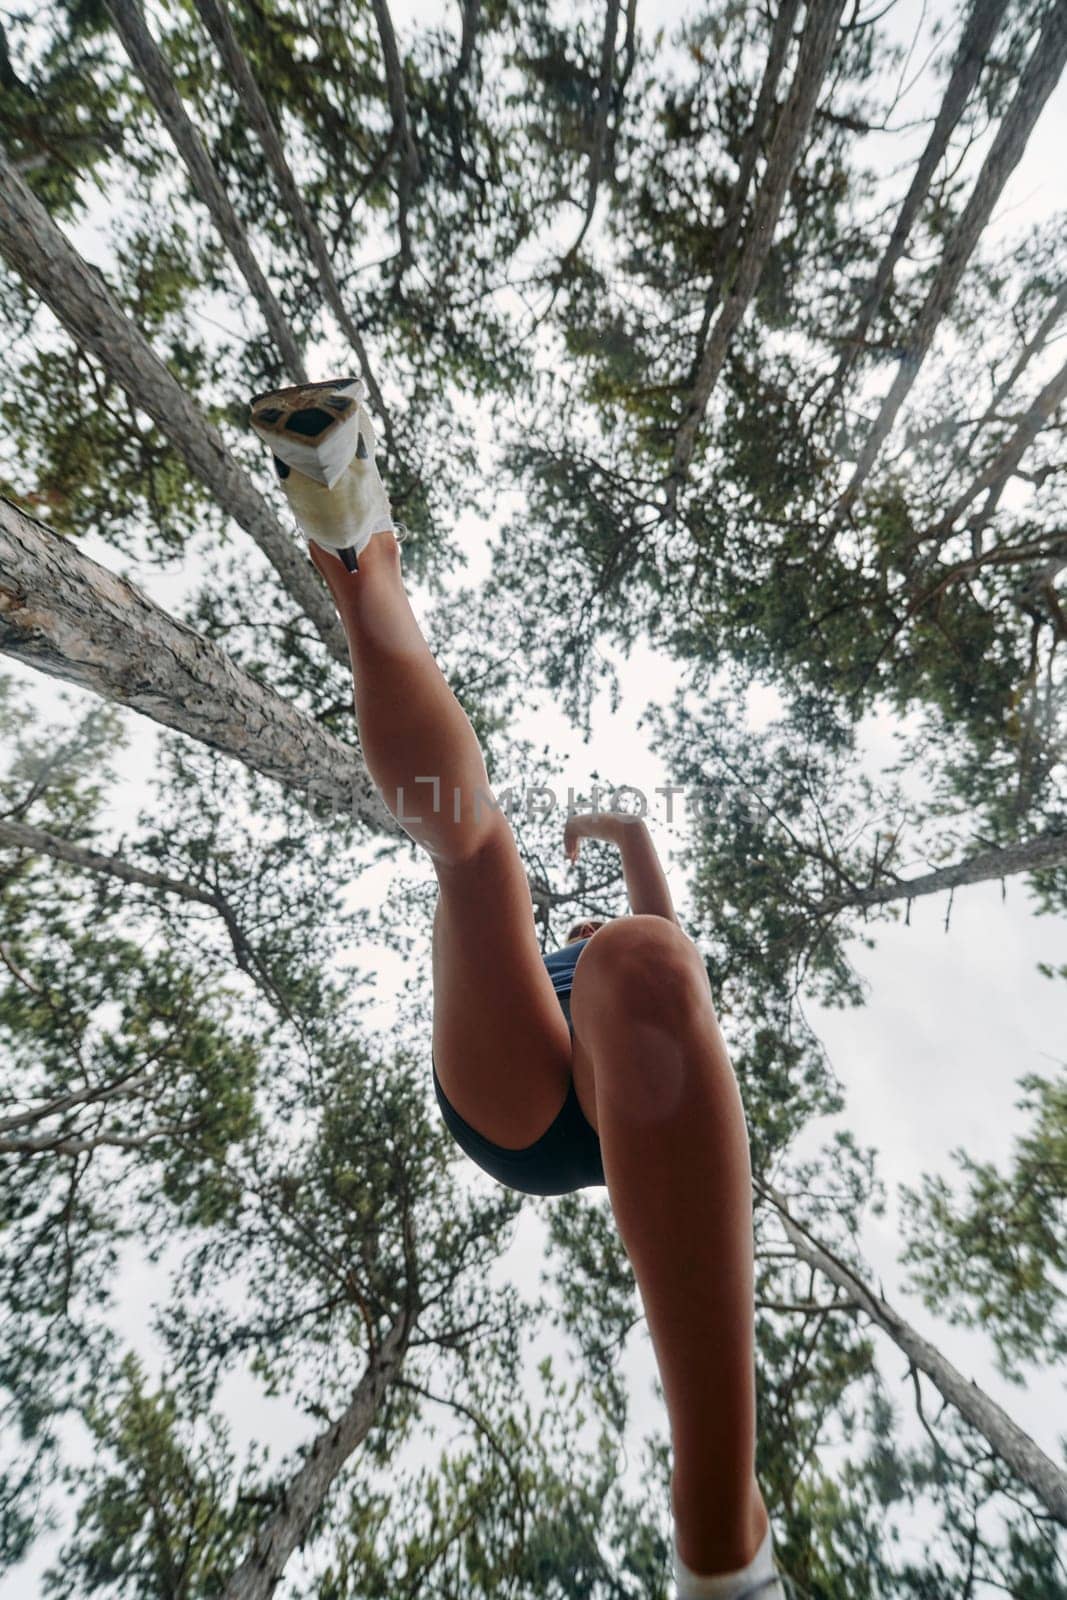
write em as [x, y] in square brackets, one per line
[646, 884]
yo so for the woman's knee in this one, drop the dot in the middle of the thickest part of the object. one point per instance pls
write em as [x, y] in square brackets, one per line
[638, 1008]
[640, 968]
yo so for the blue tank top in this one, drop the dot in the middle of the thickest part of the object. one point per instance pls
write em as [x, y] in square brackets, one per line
[561, 964]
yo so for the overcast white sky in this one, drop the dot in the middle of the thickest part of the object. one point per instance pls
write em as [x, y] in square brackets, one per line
[930, 1064]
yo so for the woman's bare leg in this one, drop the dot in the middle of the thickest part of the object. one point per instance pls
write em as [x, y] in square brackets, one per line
[652, 1074]
[417, 739]
[500, 1041]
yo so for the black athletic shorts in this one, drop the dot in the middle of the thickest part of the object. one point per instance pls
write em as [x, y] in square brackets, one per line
[566, 1157]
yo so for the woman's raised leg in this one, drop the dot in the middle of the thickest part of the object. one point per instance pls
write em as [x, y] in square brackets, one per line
[419, 746]
[500, 1041]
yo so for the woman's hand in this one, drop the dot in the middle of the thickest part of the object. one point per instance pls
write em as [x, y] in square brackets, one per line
[646, 884]
[606, 825]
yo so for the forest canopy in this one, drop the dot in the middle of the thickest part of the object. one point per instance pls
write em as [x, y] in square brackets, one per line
[724, 325]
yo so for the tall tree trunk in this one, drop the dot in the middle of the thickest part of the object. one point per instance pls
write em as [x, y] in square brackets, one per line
[65, 615]
[1039, 854]
[151, 64]
[468, 35]
[600, 124]
[304, 1495]
[216, 20]
[77, 294]
[781, 36]
[982, 24]
[398, 106]
[996, 474]
[1040, 76]
[787, 148]
[1030, 1464]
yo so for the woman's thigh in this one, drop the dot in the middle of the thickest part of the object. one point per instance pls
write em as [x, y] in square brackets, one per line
[501, 1044]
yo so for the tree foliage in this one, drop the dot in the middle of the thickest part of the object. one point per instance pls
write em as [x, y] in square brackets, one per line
[653, 286]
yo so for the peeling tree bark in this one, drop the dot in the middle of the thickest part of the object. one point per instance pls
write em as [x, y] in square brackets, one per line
[1039, 77]
[982, 24]
[216, 20]
[259, 1575]
[787, 147]
[1025, 1458]
[78, 295]
[65, 615]
[151, 65]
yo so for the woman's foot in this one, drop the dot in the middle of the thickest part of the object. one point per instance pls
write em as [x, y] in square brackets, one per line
[323, 444]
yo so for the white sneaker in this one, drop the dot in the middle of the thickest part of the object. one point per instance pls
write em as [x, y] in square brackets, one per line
[770, 1588]
[323, 443]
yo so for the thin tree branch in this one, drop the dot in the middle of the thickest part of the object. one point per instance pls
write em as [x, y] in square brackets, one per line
[598, 141]
[151, 64]
[1042, 1475]
[1037, 81]
[216, 19]
[1006, 461]
[398, 106]
[20, 836]
[129, 1084]
[787, 147]
[982, 24]
[1042, 853]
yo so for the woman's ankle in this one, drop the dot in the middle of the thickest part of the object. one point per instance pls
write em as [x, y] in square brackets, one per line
[708, 1544]
[358, 593]
[384, 545]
